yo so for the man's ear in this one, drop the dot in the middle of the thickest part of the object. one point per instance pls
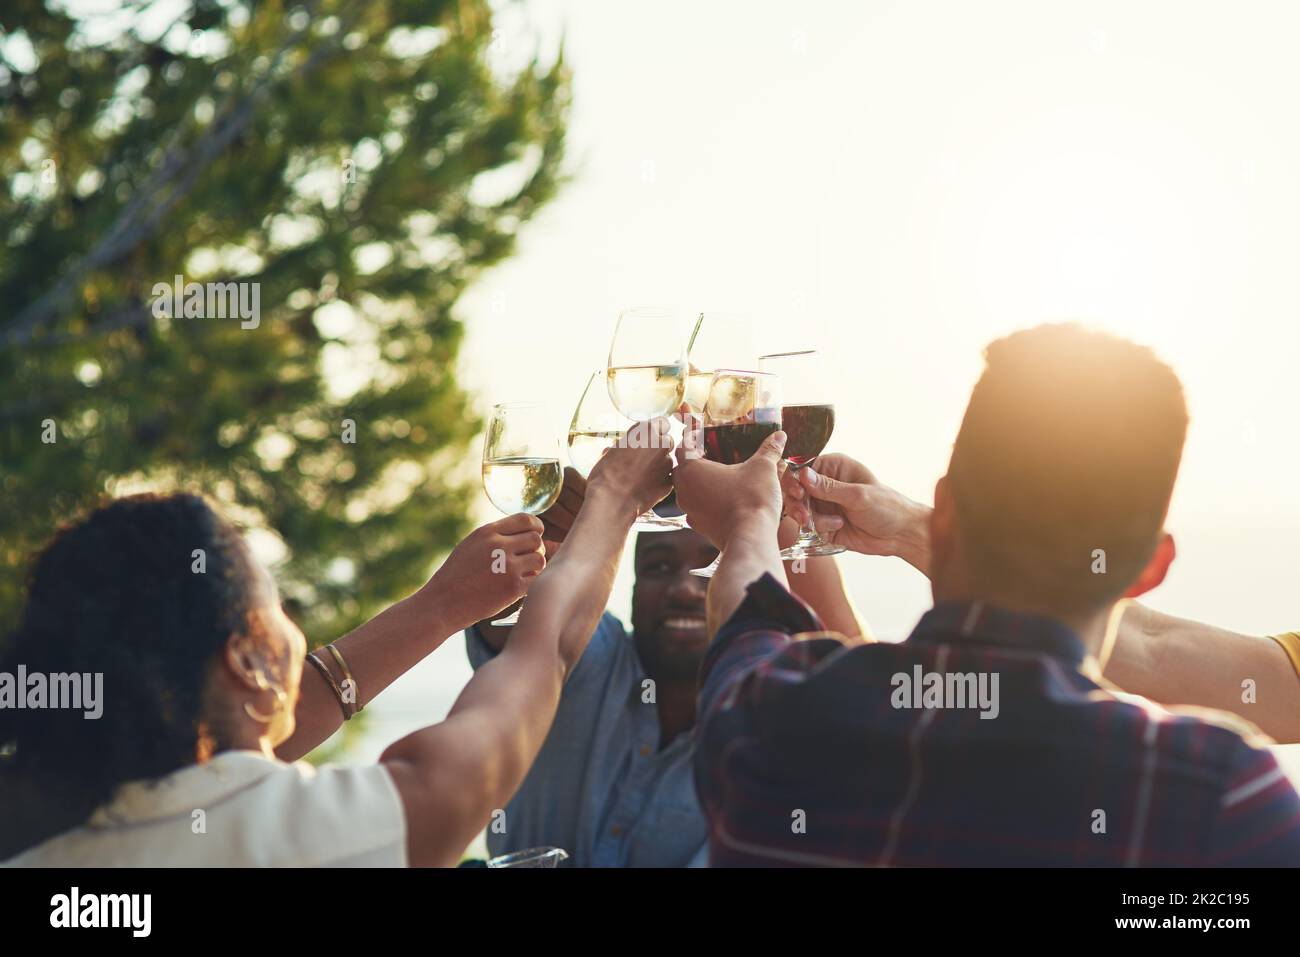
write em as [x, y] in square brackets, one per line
[1156, 569]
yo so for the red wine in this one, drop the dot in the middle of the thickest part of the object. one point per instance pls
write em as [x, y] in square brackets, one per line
[808, 428]
[733, 444]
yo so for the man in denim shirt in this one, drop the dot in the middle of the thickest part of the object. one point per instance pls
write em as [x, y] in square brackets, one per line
[613, 784]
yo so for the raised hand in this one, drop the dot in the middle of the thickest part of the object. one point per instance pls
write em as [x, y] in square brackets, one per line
[558, 519]
[489, 570]
[716, 497]
[639, 466]
[876, 519]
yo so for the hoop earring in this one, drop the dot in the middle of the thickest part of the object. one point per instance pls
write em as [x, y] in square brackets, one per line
[280, 697]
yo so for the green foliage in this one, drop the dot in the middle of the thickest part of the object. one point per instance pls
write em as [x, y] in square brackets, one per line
[362, 160]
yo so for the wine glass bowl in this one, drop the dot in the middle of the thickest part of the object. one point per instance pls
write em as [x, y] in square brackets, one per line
[646, 377]
[719, 340]
[647, 363]
[596, 425]
[743, 408]
[521, 464]
[808, 419]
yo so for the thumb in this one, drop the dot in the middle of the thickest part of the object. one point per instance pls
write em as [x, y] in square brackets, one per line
[772, 447]
[827, 489]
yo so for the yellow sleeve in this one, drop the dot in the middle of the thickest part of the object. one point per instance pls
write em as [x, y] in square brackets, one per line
[1290, 642]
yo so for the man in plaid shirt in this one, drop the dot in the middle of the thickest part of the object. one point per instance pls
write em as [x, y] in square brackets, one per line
[989, 736]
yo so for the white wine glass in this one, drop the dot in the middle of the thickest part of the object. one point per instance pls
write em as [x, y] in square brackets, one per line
[596, 425]
[742, 409]
[646, 378]
[808, 418]
[720, 340]
[533, 857]
[521, 464]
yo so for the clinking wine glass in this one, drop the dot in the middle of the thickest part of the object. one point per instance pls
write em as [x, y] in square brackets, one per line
[720, 340]
[596, 425]
[646, 377]
[808, 418]
[743, 408]
[521, 464]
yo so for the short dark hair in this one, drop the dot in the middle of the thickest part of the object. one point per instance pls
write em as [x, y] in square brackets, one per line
[1071, 443]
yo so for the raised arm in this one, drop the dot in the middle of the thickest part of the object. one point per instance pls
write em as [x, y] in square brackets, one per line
[1167, 659]
[1177, 661]
[453, 775]
[556, 522]
[738, 508]
[818, 582]
[462, 590]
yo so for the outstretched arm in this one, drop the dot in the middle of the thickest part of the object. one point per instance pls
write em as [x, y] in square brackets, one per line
[1177, 661]
[1161, 657]
[451, 776]
[738, 509]
[464, 589]
[556, 521]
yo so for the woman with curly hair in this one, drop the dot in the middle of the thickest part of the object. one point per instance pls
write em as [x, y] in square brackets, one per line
[204, 695]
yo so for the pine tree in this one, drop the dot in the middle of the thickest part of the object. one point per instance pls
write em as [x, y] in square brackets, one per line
[360, 161]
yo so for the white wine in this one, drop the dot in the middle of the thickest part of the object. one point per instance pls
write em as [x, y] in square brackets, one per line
[643, 392]
[733, 398]
[586, 447]
[697, 390]
[523, 484]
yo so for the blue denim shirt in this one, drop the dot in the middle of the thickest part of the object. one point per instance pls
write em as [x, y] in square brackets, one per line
[601, 788]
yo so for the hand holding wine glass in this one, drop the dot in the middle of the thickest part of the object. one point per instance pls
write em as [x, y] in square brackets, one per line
[596, 424]
[521, 464]
[646, 376]
[808, 418]
[875, 519]
[719, 498]
[637, 469]
[742, 409]
[467, 588]
[559, 518]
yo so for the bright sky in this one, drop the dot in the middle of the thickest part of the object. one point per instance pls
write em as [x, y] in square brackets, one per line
[899, 183]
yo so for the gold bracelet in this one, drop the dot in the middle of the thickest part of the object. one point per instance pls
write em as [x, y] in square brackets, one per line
[347, 677]
[1290, 642]
[329, 679]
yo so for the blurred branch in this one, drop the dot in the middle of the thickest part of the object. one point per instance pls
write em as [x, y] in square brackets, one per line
[179, 170]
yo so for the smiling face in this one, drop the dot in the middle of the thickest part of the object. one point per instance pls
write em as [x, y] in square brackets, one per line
[668, 623]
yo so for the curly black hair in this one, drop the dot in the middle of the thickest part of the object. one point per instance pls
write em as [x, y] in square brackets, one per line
[119, 593]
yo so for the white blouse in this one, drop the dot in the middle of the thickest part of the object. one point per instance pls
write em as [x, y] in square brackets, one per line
[240, 809]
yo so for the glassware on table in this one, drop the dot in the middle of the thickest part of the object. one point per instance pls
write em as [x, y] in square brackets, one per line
[533, 857]
[743, 408]
[521, 464]
[645, 377]
[808, 418]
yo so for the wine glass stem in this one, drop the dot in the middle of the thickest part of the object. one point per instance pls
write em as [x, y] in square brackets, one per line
[807, 530]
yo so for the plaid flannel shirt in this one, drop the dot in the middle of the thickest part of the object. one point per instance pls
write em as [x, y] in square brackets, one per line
[817, 751]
